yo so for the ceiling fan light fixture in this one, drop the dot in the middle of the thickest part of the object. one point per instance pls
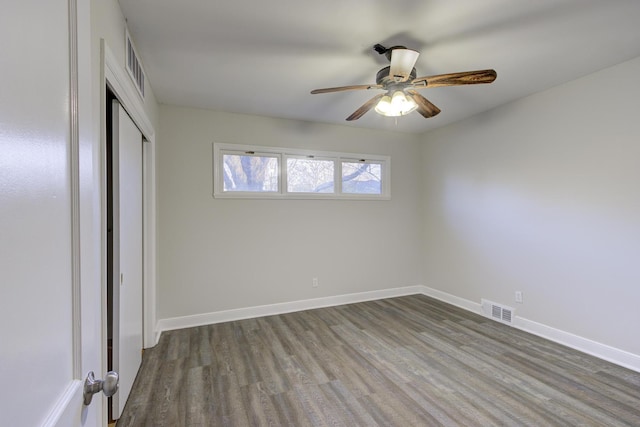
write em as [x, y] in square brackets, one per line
[395, 105]
[384, 105]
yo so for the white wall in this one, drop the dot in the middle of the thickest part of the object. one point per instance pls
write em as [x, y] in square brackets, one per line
[222, 254]
[543, 196]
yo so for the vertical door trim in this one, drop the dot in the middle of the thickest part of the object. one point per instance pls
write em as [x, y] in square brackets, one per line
[74, 163]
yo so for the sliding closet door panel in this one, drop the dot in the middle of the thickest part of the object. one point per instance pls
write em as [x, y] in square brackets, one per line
[127, 253]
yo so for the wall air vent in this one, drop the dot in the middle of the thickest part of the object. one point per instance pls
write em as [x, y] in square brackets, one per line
[498, 312]
[133, 66]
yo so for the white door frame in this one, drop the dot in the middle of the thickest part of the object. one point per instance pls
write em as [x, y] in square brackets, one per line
[114, 75]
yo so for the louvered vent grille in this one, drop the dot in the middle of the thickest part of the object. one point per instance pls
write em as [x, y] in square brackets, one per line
[134, 67]
[498, 312]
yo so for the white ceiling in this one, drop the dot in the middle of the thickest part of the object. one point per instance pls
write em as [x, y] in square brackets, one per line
[264, 57]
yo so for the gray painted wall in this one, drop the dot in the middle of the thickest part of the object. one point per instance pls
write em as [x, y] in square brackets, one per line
[543, 196]
[222, 254]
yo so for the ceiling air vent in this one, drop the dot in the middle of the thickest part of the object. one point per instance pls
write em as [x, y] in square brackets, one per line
[133, 66]
[498, 312]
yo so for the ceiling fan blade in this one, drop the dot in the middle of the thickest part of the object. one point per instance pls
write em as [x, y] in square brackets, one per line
[456, 79]
[365, 107]
[402, 63]
[425, 107]
[345, 88]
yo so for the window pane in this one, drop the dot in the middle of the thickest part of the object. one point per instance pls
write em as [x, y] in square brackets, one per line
[309, 175]
[250, 173]
[361, 178]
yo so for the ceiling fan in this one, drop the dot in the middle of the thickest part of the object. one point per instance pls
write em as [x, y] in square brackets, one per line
[400, 84]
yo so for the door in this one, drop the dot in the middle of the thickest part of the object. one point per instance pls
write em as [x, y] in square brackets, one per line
[127, 252]
[50, 286]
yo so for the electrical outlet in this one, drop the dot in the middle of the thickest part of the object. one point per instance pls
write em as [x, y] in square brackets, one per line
[314, 282]
[519, 296]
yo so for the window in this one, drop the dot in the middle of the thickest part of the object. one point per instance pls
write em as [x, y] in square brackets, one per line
[363, 177]
[310, 175]
[242, 171]
[249, 171]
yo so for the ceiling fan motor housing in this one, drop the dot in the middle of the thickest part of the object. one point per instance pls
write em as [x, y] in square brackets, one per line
[382, 78]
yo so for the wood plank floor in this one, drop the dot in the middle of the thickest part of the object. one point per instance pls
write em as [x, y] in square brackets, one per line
[408, 361]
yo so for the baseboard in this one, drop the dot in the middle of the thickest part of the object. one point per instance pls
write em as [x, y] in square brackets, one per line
[280, 308]
[593, 348]
[599, 350]
[465, 304]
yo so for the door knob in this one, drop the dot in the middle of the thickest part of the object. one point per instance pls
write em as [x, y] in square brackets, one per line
[108, 386]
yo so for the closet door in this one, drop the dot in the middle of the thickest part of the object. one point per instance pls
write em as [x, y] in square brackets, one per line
[127, 253]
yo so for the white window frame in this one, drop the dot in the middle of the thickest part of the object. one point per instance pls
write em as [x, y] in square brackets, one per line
[258, 153]
[285, 172]
[364, 161]
[219, 149]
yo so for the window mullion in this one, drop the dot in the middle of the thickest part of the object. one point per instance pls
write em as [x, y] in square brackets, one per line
[337, 173]
[285, 173]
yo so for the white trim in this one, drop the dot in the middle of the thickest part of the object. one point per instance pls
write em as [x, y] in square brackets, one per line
[74, 185]
[601, 351]
[118, 80]
[280, 308]
[62, 413]
[585, 345]
[298, 152]
[465, 304]
[149, 242]
[103, 217]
